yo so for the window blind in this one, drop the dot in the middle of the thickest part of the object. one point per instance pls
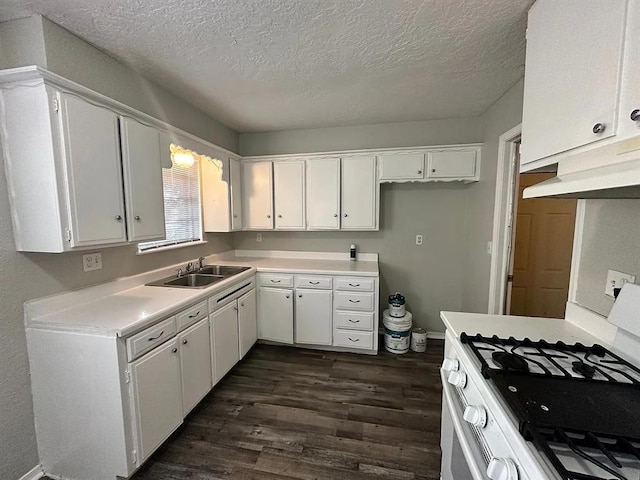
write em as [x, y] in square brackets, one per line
[182, 211]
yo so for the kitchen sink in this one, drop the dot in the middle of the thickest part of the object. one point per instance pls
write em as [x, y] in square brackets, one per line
[207, 275]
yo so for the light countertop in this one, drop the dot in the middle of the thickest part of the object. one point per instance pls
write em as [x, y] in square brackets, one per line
[305, 265]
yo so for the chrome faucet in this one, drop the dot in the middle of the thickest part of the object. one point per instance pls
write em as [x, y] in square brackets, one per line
[189, 267]
[200, 263]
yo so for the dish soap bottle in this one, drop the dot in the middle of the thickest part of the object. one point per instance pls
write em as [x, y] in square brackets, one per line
[352, 253]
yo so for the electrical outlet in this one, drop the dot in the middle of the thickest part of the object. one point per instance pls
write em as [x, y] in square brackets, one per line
[616, 279]
[418, 239]
[92, 261]
[258, 237]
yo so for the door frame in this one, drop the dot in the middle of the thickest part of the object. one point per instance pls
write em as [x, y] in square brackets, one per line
[504, 219]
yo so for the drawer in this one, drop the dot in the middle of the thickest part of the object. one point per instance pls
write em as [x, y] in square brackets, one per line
[276, 280]
[353, 339]
[146, 340]
[357, 284]
[192, 315]
[353, 320]
[354, 301]
[314, 281]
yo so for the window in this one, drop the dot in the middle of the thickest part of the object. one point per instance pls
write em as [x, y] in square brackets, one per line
[182, 211]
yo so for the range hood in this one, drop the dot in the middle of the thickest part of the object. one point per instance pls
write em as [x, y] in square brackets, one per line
[611, 171]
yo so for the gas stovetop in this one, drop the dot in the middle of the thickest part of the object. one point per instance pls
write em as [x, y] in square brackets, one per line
[580, 405]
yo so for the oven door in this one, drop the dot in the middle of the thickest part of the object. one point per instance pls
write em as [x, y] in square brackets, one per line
[462, 457]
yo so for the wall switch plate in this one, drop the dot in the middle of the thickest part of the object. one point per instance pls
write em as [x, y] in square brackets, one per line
[92, 261]
[616, 279]
[258, 237]
[418, 239]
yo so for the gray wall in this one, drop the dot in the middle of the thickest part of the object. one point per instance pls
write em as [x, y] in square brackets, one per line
[503, 115]
[428, 275]
[611, 240]
[29, 276]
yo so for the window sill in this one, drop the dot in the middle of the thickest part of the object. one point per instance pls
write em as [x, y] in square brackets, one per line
[170, 247]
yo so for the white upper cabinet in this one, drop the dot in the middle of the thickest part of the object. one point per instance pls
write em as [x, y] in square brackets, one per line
[323, 194]
[257, 195]
[448, 164]
[221, 196]
[141, 164]
[402, 166]
[93, 172]
[359, 193]
[236, 194]
[289, 199]
[572, 75]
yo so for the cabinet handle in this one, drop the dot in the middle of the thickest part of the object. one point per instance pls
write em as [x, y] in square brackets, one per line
[118, 217]
[174, 350]
[235, 216]
[345, 215]
[195, 314]
[235, 308]
[354, 284]
[151, 339]
[275, 281]
[354, 301]
[335, 215]
[419, 172]
[314, 283]
[354, 340]
[300, 296]
[242, 304]
[287, 296]
[354, 321]
[279, 216]
[137, 217]
[635, 115]
[599, 128]
[185, 341]
[268, 216]
[433, 170]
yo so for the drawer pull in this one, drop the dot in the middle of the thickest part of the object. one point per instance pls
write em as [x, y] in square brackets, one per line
[314, 283]
[195, 314]
[185, 341]
[175, 350]
[354, 284]
[151, 339]
[354, 339]
[275, 281]
[354, 301]
[354, 321]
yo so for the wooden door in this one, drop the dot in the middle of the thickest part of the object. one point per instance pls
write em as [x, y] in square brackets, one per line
[247, 322]
[323, 194]
[236, 194]
[359, 193]
[195, 364]
[141, 164]
[275, 314]
[565, 96]
[288, 192]
[157, 396]
[224, 334]
[94, 173]
[257, 195]
[313, 318]
[542, 255]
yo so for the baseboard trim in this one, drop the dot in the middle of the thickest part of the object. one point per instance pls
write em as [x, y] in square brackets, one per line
[33, 474]
[435, 335]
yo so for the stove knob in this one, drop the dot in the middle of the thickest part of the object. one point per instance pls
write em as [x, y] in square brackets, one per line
[458, 379]
[502, 469]
[476, 415]
[450, 365]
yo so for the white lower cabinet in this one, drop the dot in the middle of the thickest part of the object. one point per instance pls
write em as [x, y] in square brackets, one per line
[275, 314]
[195, 364]
[157, 396]
[313, 316]
[224, 338]
[247, 322]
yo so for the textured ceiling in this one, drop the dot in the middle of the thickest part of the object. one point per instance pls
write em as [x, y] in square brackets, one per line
[261, 65]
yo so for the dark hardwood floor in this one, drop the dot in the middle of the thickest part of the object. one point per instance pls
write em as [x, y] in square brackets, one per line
[288, 413]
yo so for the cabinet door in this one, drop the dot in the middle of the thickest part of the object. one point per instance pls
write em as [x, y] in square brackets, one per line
[402, 166]
[195, 364]
[572, 75]
[216, 197]
[275, 314]
[452, 164]
[157, 396]
[142, 180]
[247, 321]
[257, 195]
[359, 193]
[323, 194]
[236, 194]
[94, 174]
[314, 316]
[630, 97]
[224, 334]
[288, 182]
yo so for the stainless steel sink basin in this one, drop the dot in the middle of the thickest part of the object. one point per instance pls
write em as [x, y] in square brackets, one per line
[224, 270]
[193, 280]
